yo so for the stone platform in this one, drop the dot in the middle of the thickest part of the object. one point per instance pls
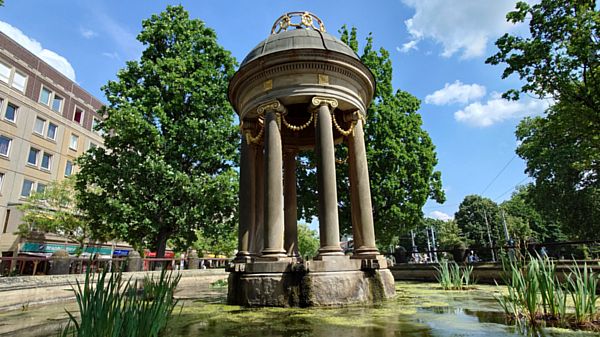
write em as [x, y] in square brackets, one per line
[332, 281]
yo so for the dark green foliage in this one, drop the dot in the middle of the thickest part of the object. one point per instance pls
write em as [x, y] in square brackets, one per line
[473, 212]
[448, 234]
[559, 59]
[524, 222]
[563, 161]
[113, 307]
[400, 154]
[170, 141]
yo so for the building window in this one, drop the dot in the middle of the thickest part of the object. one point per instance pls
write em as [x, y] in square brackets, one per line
[57, 103]
[46, 161]
[1, 181]
[45, 96]
[5, 145]
[74, 141]
[11, 112]
[4, 72]
[38, 126]
[33, 156]
[92, 146]
[19, 81]
[41, 188]
[51, 133]
[27, 187]
[68, 168]
[78, 116]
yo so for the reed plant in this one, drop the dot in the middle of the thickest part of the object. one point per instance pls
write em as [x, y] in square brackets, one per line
[535, 286]
[110, 306]
[443, 275]
[582, 287]
[467, 276]
[452, 277]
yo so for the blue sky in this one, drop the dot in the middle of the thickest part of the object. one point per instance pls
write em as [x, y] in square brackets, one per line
[437, 47]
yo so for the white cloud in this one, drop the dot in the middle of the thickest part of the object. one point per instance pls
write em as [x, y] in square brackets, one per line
[460, 26]
[87, 33]
[456, 92]
[56, 61]
[112, 55]
[497, 109]
[408, 46]
[440, 216]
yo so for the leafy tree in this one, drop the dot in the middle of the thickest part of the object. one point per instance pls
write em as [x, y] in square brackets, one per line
[308, 241]
[225, 244]
[525, 222]
[54, 210]
[476, 217]
[170, 141]
[559, 59]
[400, 154]
[447, 233]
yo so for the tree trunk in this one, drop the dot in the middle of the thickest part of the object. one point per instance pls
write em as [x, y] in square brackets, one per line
[161, 243]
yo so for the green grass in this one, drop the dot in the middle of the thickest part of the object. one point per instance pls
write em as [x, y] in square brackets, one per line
[110, 306]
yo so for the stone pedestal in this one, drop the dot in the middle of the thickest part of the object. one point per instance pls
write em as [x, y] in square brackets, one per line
[60, 263]
[134, 261]
[193, 260]
[334, 281]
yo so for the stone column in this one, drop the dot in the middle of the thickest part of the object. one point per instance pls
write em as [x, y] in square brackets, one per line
[290, 207]
[274, 219]
[246, 197]
[326, 180]
[354, 212]
[360, 189]
[256, 235]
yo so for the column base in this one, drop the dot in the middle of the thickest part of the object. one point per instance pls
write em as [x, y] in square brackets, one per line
[242, 257]
[273, 254]
[302, 285]
[364, 252]
[329, 251]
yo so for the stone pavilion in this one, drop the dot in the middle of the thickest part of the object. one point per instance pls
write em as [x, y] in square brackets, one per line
[302, 89]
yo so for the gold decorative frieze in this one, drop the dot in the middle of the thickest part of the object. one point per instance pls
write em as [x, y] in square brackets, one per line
[323, 79]
[268, 85]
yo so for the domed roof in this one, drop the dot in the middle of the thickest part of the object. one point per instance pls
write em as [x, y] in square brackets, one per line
[299, 38]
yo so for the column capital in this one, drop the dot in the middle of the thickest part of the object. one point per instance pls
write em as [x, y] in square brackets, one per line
[320, 100]
[274, 105]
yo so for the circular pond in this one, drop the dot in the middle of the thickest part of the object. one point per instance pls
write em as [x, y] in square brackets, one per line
[419, 309]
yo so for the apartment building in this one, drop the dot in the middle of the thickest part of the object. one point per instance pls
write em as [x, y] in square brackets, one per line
[46, 122]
